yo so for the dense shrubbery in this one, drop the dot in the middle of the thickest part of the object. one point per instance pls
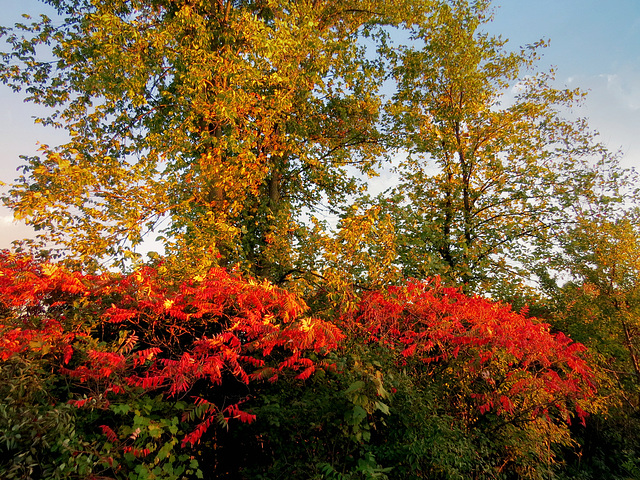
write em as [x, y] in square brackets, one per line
[134, 370]
[139, 376]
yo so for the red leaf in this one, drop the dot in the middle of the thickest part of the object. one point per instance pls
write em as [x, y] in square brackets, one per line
[306, 373]
[109, 433]
[68, 353]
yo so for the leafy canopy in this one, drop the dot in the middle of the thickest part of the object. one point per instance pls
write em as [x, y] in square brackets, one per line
[218, 123]
[495, 170]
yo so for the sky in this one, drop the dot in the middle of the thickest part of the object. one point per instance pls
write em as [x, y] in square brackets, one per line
[594, 45]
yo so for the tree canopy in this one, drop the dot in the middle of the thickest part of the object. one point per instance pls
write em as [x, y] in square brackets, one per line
[496, 170]
[224, 126]
[217, 123]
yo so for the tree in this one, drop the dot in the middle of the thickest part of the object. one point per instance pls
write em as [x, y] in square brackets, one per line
[592, 290]
[603, 294]
[494, 172]
[218, 122]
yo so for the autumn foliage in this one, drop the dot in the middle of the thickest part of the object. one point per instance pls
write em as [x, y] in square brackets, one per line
[115, 336]
[501, 360]
[116, 339]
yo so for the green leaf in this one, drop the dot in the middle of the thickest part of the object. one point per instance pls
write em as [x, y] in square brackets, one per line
[354, 387]
[383, 408]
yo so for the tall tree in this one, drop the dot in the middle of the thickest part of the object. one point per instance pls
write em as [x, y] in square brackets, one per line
[600, 304]
[594, 294]
[494, 170]
[216, 121]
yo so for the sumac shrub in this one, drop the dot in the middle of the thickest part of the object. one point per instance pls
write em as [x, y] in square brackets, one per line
[150, 365]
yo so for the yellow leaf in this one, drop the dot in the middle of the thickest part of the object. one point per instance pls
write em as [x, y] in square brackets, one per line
[49, 269]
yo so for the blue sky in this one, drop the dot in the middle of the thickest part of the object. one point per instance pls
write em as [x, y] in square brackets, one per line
[594, 45]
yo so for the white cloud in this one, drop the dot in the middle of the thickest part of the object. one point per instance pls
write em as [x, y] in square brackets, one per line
[625, 88]
[6, 220]
[11, 230]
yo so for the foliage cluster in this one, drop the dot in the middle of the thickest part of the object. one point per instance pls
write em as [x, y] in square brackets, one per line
[265, 342]
[141, 377]
[157, 363]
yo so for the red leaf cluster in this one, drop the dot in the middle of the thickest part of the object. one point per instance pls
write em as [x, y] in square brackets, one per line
[144, 331]
[127, 334]
[503, 361]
